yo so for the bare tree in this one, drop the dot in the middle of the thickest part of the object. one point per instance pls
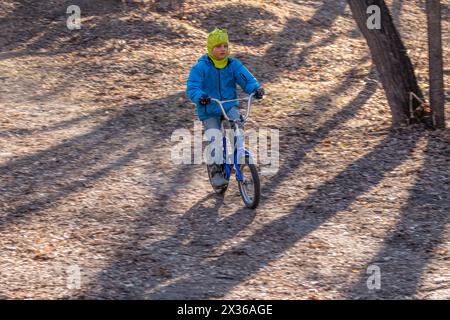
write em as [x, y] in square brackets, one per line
[390, 58]
[436, 64]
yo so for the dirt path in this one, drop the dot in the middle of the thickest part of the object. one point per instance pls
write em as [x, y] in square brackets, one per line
[88, 187]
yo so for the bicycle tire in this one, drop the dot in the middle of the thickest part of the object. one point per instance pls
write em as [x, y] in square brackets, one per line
[254, 201]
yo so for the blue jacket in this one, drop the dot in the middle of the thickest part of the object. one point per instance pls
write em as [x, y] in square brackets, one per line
[206, 79]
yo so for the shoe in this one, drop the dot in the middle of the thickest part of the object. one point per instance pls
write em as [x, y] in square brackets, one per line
[217, 179]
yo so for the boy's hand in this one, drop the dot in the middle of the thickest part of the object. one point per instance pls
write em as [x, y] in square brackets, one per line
[204, 100]
[259, 93]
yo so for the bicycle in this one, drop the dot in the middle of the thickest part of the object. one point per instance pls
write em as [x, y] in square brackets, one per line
[246, 173]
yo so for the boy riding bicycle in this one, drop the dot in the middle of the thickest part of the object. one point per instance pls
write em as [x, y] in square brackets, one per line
[215, 76]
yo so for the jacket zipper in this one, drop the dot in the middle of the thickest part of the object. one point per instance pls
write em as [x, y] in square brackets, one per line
[220, 93]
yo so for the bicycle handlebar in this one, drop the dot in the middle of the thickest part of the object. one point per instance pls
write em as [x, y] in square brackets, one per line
[249, 102]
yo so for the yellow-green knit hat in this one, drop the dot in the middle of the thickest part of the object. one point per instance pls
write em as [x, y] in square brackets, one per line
[216, 37]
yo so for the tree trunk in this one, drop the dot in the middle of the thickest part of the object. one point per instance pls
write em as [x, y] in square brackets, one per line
[391, 60]
[436, 64]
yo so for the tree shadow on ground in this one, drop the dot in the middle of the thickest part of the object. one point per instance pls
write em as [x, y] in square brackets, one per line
[271, 241]
[66, 124]
[422, 222]
[46, 32]
[237, 17]
[397, 7]
[36, 182]
[304, 141]
[279, 58]
[200, 230]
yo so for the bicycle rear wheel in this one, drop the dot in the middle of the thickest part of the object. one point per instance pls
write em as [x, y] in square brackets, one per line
[250, 188]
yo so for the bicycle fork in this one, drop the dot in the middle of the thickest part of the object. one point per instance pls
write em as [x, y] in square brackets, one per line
[239, 152]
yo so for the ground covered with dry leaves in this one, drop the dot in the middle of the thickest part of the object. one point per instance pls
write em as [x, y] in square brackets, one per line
[87, 182]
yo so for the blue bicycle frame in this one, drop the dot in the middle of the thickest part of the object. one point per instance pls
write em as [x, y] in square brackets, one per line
[228, 166]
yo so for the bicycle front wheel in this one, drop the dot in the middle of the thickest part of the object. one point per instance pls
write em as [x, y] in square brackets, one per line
[249, 187]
